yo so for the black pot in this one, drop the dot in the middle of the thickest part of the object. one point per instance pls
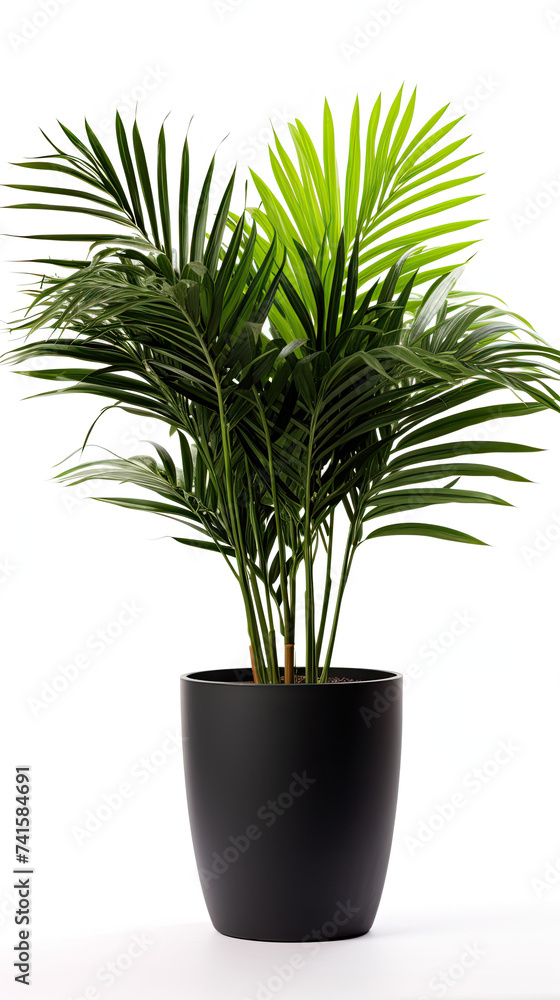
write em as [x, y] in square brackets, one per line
[292, 791]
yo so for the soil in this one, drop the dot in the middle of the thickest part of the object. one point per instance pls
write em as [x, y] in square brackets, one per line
[300, 679]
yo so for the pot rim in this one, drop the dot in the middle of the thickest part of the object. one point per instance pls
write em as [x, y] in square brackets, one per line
[205, 677]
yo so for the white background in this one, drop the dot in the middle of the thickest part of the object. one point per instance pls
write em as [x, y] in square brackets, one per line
[70, 565]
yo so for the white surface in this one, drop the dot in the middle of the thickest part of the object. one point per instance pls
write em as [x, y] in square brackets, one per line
[498, 956]
[68, 564]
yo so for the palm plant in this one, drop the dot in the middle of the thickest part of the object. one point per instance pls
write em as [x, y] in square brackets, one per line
[382, 203]
[299, 366]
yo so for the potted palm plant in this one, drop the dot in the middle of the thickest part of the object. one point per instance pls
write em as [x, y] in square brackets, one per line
[316, 367]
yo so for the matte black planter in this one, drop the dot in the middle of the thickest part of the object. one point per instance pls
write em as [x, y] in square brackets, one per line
[292, 791]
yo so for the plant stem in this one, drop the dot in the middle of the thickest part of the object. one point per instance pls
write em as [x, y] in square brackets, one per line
[254, 666]
[277, 512]
[232, 516]
[289, 664]
[328, 585]
[346, 565]
[270, 632]
[310, 646]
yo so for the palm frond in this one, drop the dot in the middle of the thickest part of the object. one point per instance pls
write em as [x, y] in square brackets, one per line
[314, 364]
[398, 185]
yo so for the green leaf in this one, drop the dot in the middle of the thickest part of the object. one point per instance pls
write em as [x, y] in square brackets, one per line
[207, 546]
[128, 167]
[107, 169]
[145, 183]
[163, 195]
[184, 208]
[331, 174]
[455, 449]
[410, 499]
[457, 421]
[353, 171]
[201, 215]
[430, 530]
[215, 240]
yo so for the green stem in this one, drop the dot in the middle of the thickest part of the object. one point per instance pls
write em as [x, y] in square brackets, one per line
[232, 515]
[276, 505]
[310, 671]
[264, 627]
[310, 647]
[290, 630]
[328, 586]
[269, 633]
[346, 566]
